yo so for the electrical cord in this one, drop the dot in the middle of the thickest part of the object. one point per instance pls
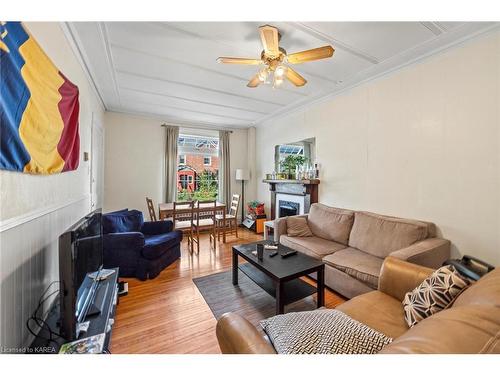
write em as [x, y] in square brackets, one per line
[40, 322]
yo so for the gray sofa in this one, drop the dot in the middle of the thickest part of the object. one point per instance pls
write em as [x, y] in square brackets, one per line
[354, 244]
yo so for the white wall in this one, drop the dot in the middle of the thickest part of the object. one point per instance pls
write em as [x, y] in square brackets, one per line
[34, 210]
[134, 161]
[421, 143]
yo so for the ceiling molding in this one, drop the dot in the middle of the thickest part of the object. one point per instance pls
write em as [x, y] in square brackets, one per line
[337, 43]
[192, 100]
[194, 111]
[450, 39]
[103, 33]
[75, 43]
[199, 87]
[433, 27]
[172, 120]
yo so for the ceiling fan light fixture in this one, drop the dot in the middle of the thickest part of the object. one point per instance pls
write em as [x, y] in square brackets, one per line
[278, 81]
[280, 71]
[263, 74]
[278, 62]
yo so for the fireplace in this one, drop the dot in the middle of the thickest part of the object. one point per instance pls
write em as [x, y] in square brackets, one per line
[288, 208]
[292, 197]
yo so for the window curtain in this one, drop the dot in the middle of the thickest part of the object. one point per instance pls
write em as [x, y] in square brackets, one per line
[171, 138]
[225, 167]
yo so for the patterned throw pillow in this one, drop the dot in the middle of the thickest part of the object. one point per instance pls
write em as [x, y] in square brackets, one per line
[322, 331]
[435, 293]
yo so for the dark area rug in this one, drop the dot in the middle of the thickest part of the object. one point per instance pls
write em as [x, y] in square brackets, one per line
[246, 299]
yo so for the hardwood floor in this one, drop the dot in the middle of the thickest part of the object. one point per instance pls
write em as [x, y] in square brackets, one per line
[168, 314]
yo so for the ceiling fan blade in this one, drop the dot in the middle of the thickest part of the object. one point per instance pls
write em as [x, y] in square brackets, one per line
[238, 60]
[311, 55]
[270, 40]
[295, 77]
[254, 82]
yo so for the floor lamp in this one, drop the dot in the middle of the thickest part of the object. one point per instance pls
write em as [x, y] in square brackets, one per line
[242, 175]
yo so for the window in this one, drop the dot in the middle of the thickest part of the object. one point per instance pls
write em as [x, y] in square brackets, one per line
[183, 181]
[197, 170]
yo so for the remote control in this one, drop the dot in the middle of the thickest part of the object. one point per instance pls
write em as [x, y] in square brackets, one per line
[273, 253]
[288, 253]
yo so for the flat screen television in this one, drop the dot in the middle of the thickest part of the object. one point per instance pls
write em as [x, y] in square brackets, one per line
[80, 255]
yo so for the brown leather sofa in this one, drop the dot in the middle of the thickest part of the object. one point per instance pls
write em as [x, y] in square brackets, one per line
[470, 325]
[354, 244]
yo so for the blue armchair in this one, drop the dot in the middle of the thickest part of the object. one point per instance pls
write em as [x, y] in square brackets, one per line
[140, 249]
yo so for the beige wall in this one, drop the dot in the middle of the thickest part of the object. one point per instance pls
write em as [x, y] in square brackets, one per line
[35, 210]
[134, 161]
[422, 142]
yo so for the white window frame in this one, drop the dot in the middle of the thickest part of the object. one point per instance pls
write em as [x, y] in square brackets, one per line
[209, 163]
[182, 156]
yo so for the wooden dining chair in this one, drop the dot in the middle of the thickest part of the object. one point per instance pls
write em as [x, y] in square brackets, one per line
[231, 223]
[207, 223]
[182, 217]
[151, 209]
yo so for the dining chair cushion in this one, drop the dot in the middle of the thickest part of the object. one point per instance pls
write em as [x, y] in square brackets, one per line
[182, 224]
[221, 217]
[203, 223]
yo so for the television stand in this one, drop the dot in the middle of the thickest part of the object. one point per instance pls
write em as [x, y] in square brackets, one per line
[101, 322]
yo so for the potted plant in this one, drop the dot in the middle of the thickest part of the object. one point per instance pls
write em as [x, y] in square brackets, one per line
[290, 164]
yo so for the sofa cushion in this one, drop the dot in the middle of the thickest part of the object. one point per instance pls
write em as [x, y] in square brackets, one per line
[330, 223]
[122, 221]
[471, 329]
[296, 226]
[313, 246]
[434, 294]
[381, 235]
[157, 245]
[486, 291]
[378, 311]
[357, 264]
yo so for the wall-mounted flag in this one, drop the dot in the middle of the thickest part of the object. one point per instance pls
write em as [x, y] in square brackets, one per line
[39, 108]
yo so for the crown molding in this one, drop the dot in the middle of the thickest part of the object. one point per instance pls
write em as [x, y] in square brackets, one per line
[170, 120]
[443, 42]
[75, 43]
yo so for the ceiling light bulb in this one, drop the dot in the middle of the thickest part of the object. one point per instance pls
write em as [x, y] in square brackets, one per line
[263, 75]
[278, 81]
[280, 71]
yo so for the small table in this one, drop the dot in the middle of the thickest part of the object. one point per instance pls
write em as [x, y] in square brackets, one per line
[268, 229]
[278, 276]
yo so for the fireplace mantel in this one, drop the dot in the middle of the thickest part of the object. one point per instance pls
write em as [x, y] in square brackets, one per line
[308, 189]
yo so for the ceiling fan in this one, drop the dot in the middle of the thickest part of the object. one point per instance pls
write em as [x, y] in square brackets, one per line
[276, 61]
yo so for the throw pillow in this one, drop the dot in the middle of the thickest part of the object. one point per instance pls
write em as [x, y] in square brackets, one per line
[435, 293]
[323, 331]
[296, 226]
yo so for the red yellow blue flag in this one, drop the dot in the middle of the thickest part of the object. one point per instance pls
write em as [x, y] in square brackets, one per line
[39, 108]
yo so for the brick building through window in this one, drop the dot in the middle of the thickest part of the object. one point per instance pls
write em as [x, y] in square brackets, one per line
[198, 167]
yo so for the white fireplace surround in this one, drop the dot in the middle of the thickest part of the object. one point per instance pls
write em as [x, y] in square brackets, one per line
[290, 198]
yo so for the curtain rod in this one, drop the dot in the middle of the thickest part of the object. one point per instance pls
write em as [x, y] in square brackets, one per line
[197, 127]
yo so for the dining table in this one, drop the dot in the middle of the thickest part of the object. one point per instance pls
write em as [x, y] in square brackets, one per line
[166, 210]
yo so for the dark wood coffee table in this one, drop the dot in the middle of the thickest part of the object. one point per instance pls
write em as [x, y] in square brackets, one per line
[279, 276]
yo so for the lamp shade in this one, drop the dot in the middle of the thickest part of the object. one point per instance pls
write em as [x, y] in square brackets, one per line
[242, 174]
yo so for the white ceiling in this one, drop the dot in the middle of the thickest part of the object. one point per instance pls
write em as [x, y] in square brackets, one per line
[169, 70]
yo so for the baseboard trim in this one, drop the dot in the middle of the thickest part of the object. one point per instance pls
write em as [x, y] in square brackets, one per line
[35, 214]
